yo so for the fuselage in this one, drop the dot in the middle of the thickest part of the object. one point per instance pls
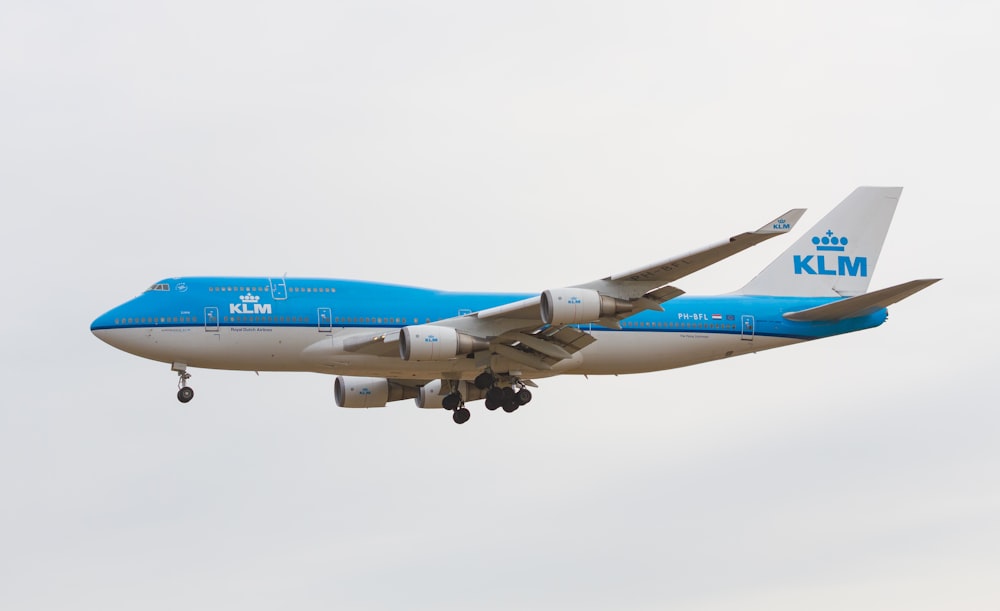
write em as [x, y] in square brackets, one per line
[299, 324]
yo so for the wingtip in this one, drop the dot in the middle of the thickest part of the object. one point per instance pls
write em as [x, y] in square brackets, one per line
[783, 223]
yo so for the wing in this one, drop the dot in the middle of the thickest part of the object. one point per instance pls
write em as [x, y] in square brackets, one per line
[644, 288]
[637, 282]
[520, 331]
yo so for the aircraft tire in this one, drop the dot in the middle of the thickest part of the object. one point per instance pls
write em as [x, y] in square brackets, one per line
[523, 396]
[185, 394]
[495, 395]
[484, 380]
[451, 401]
[461, 415]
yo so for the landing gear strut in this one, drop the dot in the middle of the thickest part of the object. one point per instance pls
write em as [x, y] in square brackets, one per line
[184, 392]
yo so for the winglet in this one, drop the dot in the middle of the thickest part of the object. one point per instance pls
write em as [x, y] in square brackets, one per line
[784, 223]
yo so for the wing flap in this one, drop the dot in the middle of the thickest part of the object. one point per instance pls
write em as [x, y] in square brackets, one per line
[570, 338]
[520, 356]
[543, 348]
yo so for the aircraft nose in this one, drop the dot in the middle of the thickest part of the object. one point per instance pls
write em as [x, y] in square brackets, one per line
[104, 323]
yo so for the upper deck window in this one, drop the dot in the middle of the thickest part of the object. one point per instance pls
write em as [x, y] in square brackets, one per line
[159, 287]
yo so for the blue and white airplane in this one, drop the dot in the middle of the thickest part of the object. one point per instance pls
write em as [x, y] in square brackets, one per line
[447, 349]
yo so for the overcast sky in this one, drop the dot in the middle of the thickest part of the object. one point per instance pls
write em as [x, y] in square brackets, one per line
[503, 146]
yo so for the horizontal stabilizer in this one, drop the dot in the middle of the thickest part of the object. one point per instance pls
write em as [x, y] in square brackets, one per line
[862, 305]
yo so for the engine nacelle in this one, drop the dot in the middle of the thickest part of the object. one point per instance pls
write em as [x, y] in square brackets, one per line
[433, 393]
[433, 343]
[354, 391]
[576, 306]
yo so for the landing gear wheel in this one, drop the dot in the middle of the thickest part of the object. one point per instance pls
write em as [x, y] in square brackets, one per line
[484, 380]
[523, 396]
[494, 395]
[184, 394]
[461, 415]
[492, 405]
[510, 405]
[452, 401]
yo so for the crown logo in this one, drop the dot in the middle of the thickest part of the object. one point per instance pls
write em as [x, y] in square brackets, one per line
[830, 242]
[249, 298]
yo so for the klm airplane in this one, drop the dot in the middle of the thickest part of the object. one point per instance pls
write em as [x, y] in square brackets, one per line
[447, 349]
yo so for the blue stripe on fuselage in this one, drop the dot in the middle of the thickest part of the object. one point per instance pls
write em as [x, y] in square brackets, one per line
[303, 302]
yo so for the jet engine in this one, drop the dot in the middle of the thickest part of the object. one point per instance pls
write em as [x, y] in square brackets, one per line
[353, 391]
[433, 343]
[572, 306]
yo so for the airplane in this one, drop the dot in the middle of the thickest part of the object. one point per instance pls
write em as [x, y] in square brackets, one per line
[444, 349]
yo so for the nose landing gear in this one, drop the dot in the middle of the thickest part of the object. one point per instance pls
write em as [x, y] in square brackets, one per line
[184, 392]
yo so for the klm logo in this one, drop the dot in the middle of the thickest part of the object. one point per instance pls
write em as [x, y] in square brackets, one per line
[249, 304]
[574, 301]
[781, 225]
[431, 339]
[829, 264]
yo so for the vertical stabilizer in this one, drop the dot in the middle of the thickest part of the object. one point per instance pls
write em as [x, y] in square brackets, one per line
[837, 257]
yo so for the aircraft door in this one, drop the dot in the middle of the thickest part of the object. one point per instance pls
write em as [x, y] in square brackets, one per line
[278, 289]
[212, 319]
[324, 317]
[747, 328]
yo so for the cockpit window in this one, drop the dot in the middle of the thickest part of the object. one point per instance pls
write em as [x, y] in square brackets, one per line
[159, 287]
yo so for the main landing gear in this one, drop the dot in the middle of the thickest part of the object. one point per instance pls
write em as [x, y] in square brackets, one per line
[184, 392]
[454, 403]
[509, 397]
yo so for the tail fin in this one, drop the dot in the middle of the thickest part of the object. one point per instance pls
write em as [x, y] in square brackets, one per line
[837, 257]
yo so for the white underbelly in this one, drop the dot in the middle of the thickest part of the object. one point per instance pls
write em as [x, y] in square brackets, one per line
[620, 352]
[285, 349]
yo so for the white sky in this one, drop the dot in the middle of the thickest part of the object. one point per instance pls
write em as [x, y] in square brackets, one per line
[513, 146]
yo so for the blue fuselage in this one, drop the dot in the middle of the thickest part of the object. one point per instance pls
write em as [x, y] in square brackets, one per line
[253, 320]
